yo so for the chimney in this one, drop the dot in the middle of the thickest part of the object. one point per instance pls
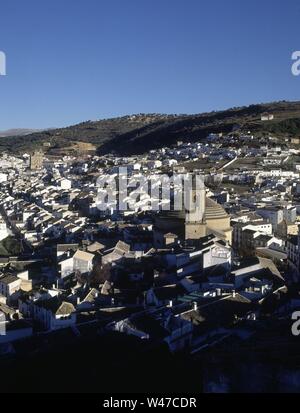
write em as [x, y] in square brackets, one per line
[170, 303]
[233, 293]
[195, 306]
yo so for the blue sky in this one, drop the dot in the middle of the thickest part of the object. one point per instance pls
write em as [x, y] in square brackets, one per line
[70, 60]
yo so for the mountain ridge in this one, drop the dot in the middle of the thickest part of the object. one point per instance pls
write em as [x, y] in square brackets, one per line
[137, 134]
[18, 132]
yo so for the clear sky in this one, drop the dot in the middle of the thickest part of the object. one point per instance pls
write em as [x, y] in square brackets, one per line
[75, 60]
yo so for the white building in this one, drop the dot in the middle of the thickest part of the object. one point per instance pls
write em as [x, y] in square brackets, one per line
[266, 117]
[273, 214]
[65, 183]
[9, 284]
[4, 231]
[54, 314]
[83, 261]
[3, 177]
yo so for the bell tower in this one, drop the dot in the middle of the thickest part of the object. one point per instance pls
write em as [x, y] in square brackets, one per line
[195, 226]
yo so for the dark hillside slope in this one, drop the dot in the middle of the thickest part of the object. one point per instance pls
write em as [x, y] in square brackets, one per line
[137, 134]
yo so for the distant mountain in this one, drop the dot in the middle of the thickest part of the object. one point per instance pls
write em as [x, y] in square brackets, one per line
[140, 133]
[17, 132]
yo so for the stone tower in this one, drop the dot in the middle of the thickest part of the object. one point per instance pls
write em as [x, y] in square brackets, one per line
[195, 226]
[36, 160]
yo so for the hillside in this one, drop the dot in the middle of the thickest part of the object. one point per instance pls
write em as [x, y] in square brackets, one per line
[139, 133]
[17, 132]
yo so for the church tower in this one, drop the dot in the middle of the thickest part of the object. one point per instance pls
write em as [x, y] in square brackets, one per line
[195, 226]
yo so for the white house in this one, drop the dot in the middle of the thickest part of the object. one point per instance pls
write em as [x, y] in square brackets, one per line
[266, 117]
[83, 261]
[3, 177]
[54, 313]
[4, 231]
[66, 267]
[65, 183]
[9, 284]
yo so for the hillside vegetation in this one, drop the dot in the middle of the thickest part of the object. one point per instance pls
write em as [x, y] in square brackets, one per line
[137, 134]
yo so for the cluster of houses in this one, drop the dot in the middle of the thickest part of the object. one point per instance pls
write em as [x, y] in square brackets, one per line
[65, 263]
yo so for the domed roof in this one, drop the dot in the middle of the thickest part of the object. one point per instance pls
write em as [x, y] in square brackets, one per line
[213, 211]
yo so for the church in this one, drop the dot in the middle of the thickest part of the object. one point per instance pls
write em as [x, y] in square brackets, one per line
[208, 217]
